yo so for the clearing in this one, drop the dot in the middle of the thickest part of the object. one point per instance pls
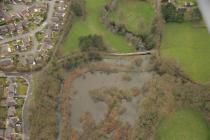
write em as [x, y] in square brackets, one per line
[189, 46]
[184, 124]
[92, 25]
[137, 16]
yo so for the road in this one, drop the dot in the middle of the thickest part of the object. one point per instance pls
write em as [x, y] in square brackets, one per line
[131, 54]
[25, 109]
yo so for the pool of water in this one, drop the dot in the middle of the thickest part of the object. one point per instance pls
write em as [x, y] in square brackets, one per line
[82, 101]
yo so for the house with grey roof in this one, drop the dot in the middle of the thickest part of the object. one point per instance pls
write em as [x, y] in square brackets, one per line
[5, 50]
[11, 28]
[12, 121]
[11, 111]
[31, 60]
[10, 102]
[6, 62]
[19, 28]
[11, 89]
[9, 132]
[3, 30]
[25, 23]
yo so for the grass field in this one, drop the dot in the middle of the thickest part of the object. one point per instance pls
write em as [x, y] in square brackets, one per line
[137, 16]
[93, 25]
[190, 47]
[185, 124]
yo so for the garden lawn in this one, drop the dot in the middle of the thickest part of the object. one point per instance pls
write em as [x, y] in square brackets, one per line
[190, 47]
[185, 124]
[182, 2]
[137, 16]
[92, 25]
[22, 86]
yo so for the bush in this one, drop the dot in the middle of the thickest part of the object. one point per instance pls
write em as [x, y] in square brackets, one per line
[170, 14]
[150, 43]
[77, 9]
[91, 43]
[196, 15]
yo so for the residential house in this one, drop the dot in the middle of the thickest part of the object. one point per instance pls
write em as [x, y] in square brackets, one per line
[11, 80]
[25, 14]
[3, 30]
[32, 8]
[11, 28]
[12, 121]
[27, 1]
[26, 43]
[2, 133]
[11, 111]
[10, 102]
[38, 20]
[9, 133]
[11, 90]
[55, 19]
[30, 59]
[19, 28]
[6, 62]
[22, 60]
[25, 23]
[54, 26]
[5, 50]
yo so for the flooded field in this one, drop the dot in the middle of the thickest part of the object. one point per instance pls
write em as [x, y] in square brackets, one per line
[83, 102]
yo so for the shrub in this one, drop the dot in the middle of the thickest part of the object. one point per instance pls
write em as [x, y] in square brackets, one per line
[149, 41]
[91, 43]
[170, 14]
[77, 9]
[196, 15]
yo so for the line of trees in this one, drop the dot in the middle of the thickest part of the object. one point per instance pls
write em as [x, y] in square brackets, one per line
[173, 14]
[170, 13]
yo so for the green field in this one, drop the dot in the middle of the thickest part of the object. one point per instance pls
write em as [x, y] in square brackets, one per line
[190, 47]
[185, 124]
[137, 16]
[93, 25]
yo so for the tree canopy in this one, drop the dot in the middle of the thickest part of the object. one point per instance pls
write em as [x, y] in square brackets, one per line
[91, 43]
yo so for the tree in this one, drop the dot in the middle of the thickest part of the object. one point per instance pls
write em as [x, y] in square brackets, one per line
[91, 43]
[196, 15]
[168, 11]
[150, 43]
[77, 9]
[170, 14]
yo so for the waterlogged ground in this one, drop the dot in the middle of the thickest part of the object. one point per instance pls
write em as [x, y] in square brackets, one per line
[82, 101]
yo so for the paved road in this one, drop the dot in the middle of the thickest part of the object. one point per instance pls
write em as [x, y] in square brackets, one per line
[131, 54]
[25, 112]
